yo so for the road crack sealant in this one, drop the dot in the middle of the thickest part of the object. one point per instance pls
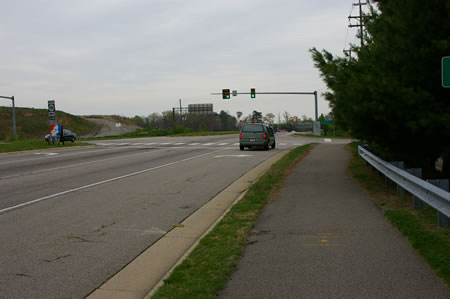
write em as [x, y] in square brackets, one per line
[104, 182]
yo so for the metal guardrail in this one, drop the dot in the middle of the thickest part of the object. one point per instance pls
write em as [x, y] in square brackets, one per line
[434, 196]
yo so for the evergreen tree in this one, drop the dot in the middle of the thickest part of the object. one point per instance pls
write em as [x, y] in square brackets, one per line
[391, 94]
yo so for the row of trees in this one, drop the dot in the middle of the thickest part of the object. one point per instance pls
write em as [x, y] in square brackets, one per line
[389, 91]
[222, 121]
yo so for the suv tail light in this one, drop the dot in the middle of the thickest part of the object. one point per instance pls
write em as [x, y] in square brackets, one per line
[265, 136]
[240, 136]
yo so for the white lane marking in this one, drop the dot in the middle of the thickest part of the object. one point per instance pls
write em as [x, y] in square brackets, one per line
[125, 143]
[179, 143]
[194, 143]
[327, 140]
[238, 156]
[74, 165]
[47, 154]
[282, 143]
[150, 143]
[165, 143]
[137, 143]
[211, 143]
[64, 155]
[237, 143]
[104, 182]
[222, 143]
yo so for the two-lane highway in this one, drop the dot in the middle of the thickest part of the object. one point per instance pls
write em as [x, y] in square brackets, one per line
[70, 219]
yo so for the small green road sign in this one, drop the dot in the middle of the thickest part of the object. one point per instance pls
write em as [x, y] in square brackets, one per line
[446, 71]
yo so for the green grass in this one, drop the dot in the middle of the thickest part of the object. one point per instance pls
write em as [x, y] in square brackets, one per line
[34, 123]
[418, 225]
[207, 268]
[433, 246]
[24, 145]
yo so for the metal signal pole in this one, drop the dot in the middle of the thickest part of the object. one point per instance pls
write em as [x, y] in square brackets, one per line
[282, 92]
[14, 115]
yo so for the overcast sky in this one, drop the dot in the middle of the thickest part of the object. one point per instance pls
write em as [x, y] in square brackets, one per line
[135, 57]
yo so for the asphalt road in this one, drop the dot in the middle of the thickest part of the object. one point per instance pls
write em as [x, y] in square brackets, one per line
[70, 219]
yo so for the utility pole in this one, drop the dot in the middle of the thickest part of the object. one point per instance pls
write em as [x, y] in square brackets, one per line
[181, 114]
[349, 51]
[360, 17]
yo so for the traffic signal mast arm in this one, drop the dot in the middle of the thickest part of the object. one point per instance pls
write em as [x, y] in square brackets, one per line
[274, 92]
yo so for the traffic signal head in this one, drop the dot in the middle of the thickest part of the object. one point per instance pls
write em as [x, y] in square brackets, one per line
[252, 93]
[225, 94]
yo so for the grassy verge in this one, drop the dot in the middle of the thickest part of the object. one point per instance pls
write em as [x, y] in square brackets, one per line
[24, 145]
[418, 225]
[205, 271]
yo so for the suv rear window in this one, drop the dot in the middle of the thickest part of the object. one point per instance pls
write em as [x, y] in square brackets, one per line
[252, 128]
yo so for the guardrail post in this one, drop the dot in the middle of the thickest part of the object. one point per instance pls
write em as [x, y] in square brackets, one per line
[443, 220]
[417, 172]
[398, 164]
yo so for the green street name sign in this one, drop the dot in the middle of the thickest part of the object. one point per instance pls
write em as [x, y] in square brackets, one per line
[446, 71]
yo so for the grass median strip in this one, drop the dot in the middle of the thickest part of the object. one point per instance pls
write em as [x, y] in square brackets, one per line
[24, 145]
[206, 269]
[418, 225]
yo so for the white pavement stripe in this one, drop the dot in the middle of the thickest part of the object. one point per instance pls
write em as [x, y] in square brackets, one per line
[222, 143]
[166, 143]
[125, 143]
[211, 143]
[194, 143]
[327, 140]
[179, 143]
[282, 143]
[72, 165]
[103, 182]
[237, 143]
[138, 143]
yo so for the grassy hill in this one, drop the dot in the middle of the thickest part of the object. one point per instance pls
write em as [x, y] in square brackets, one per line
[34, 123]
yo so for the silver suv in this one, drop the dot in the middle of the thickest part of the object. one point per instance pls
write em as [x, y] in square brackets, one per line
[256, 134]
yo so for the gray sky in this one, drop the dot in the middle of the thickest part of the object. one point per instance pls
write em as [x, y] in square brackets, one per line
[133, 57]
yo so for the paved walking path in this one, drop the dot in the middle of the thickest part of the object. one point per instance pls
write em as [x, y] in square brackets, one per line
[324, 238]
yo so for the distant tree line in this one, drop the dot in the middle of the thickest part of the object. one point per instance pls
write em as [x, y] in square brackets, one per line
[222, 121]
[388, 93]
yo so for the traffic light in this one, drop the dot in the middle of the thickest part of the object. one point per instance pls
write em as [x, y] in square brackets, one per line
[252, 93]
[225, 94]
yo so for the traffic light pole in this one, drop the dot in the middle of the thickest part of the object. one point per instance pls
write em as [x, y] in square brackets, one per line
[14, 115]
[283, 92]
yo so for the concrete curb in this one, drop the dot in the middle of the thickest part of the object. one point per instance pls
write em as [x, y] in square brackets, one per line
[146, 273]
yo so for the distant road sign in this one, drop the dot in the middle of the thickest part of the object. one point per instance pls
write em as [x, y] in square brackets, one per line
[52, 112]
[446, 71]
[51, 106]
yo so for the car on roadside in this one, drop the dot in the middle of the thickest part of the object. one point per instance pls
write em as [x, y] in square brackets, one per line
[68, 135]
[256, 135]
